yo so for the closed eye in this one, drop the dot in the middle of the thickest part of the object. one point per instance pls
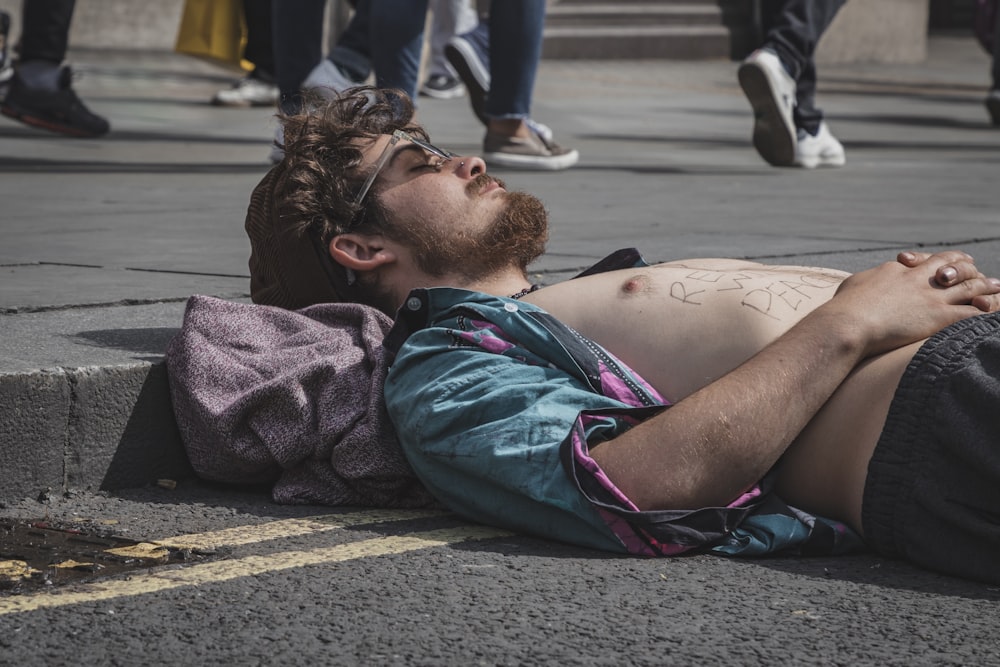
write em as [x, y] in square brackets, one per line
[435, 165]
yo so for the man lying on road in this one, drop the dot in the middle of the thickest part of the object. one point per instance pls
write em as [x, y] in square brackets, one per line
[705, 403]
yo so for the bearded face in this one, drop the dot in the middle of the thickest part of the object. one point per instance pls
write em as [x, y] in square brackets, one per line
[514, 238]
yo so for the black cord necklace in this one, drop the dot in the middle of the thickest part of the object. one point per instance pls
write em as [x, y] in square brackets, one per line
[526, 290]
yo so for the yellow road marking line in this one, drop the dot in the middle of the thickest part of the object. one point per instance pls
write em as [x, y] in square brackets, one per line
[14, 569]
[226, 570]
[251, 534]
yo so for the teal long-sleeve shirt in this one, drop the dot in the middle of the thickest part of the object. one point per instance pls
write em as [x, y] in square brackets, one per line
[496, 403]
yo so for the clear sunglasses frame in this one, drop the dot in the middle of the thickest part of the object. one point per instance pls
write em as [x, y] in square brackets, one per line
[396, 137]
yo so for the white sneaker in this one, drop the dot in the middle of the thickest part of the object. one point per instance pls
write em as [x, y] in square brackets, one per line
[821, 150]
[327, 80]
[247, 92]
[771, 92]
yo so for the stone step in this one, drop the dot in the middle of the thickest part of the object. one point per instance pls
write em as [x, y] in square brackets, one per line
[637, 41]
[668, 29]
[704, 3]
[632, 14]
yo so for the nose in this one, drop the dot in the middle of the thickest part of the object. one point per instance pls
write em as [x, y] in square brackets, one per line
[469, 166]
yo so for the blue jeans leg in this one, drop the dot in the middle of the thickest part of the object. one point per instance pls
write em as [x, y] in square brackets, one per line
[515, 49]
[396, 36]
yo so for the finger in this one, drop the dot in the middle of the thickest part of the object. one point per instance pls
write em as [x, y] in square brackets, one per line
[946, 276]
[953, 256]
[989, 300]
[955, 273]
[912, 258]
[967, 290]
[987, 303]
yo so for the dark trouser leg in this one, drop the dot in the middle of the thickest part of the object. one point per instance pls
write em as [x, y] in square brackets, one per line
[260, 46]
[996, 53]
[45, 29]
[792, 29]
[806, 114]
[298, 46]
[353, 52]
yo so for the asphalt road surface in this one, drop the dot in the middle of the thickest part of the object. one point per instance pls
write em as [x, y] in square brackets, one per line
[261, 584]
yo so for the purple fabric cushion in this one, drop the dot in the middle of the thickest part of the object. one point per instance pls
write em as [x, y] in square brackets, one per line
[293, 398]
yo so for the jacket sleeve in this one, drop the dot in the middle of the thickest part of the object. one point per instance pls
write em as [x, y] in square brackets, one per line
[488, 434]
[504, 439]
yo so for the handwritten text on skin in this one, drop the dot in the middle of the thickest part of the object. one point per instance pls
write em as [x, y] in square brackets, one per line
[767, 299]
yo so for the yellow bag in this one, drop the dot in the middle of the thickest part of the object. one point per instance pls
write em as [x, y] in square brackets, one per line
[213, 29]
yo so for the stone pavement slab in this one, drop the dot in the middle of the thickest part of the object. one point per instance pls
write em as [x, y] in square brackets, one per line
[104, 240]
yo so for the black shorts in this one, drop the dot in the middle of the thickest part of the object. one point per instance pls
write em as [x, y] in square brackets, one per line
[933, 490]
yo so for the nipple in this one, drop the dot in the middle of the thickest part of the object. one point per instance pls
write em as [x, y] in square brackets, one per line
[635, 284]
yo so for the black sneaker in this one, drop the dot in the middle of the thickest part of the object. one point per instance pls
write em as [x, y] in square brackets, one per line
[57, 111]
[469, 55]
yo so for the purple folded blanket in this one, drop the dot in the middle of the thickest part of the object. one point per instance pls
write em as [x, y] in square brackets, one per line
[293, 398]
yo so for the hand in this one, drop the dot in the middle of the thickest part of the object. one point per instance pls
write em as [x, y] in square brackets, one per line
[905, 301]
[948, 275]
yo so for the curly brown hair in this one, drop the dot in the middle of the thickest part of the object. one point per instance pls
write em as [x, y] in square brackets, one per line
[322, 146]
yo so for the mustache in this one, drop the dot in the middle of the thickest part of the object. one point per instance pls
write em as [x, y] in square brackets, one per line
[479, 183]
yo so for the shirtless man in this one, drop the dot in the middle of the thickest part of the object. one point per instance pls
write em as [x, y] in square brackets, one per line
[780, 380]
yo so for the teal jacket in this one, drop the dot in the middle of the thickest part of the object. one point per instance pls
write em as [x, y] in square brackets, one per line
[495, 403]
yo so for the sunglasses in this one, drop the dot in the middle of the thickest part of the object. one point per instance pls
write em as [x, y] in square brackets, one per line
[396, 137]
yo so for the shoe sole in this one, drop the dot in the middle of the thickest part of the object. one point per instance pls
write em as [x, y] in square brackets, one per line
[532, 162]
[450, 94]
[773, 136]
[43, 124]
[820, 162]
[462, 56]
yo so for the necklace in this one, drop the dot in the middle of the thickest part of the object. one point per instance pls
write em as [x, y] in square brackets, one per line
[526, 290]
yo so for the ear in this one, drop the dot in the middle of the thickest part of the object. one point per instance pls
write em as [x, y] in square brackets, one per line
[361, 252]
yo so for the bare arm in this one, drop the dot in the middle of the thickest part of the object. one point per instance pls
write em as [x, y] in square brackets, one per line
[713, 445]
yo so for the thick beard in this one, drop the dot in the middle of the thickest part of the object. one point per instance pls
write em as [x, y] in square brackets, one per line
[516, 238]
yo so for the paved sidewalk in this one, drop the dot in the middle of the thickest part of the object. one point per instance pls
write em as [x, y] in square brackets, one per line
[103, 241]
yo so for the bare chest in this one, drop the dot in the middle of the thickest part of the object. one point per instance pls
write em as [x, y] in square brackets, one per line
[682, 325]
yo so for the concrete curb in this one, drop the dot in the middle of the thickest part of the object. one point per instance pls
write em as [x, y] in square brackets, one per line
[88, 428]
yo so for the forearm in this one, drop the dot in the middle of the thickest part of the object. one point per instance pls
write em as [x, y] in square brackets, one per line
[712, 446]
